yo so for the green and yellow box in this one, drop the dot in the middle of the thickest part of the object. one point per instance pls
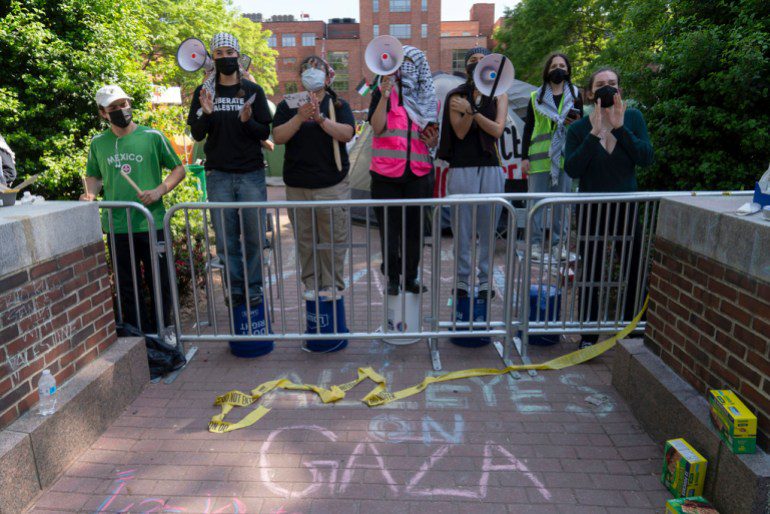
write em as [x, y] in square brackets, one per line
[684, 469]
[736, 424]
[692, 505]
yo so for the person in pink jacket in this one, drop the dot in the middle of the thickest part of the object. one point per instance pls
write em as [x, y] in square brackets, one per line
[403, 114]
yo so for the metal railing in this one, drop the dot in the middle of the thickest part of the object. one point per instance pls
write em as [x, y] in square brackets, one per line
[584, 266]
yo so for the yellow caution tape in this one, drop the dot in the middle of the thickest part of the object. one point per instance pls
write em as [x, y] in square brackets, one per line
[380, 396]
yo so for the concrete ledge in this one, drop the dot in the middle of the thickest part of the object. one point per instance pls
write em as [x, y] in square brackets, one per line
[88, 403]
[668, 407]
[709, 226]
[34, 233]
[18, 481]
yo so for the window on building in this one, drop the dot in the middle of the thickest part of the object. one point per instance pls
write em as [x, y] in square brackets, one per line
[289, 61]
[375, 5]
[288, 40]
[400, 5]
[339, 61]
[424, 5]
[376, 30]
[308, 39]
[424, 30]
[458, 60]
[401, 30]
[272, 41]
[290, 87]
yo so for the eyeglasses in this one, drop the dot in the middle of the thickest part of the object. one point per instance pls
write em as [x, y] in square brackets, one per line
[312, 64]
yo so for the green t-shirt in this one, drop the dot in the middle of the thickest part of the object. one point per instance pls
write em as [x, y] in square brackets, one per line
[141, 154]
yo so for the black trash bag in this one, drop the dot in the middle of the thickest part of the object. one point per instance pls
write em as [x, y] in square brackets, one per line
[162, 357]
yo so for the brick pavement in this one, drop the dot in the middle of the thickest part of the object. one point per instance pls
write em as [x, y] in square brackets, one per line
[479, 445]
[483, 445]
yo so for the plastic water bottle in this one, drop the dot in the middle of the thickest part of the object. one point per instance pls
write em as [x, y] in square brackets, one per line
[46, 389]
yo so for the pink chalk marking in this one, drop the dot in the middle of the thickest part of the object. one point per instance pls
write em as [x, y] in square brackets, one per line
[428, 465]
[350, 469]
[514, 465]
[264, 465]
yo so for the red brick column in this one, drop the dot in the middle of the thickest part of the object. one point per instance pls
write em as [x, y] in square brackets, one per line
[56, 314]
[711, 324]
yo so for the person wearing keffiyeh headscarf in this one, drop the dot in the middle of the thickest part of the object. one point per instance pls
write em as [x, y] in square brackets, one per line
[232, 114]
[403, 114]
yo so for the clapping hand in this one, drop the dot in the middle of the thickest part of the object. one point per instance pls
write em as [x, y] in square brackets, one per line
[246, 113]
[617, 112]
[207, 103]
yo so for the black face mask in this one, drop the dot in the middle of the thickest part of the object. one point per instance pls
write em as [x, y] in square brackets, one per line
[226, 65]
[606, 95]
[558, 76]
[469, 69]
[121, 118]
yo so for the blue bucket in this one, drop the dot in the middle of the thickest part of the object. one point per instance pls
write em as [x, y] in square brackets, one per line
[259, 326]
[462, 315]
[324, 324]
[544, 300]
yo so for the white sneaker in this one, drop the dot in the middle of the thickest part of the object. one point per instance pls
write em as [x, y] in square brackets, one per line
[537, 252]
[560, 253]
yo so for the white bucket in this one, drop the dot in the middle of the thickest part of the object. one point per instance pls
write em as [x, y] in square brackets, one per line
[409, 322]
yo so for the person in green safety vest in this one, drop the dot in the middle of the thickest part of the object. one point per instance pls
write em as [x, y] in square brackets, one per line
[552, 108]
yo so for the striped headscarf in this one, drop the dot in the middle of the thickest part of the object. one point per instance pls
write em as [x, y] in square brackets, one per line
[417, 88]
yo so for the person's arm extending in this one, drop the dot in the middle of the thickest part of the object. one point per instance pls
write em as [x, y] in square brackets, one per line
[494, 127]
[460, 116]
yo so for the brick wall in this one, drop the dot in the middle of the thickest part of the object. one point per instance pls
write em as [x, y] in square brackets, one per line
[711, 325]
[56, 314]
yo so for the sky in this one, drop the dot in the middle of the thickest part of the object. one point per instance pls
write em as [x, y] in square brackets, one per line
[325, 9]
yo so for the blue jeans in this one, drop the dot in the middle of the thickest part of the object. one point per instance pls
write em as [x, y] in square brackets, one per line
[222, 186]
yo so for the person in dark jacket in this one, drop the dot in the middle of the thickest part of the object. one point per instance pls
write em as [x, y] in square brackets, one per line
[603, 152]
[233, 115]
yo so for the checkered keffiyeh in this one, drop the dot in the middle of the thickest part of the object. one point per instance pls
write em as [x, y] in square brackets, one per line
[225, 39]
[417, 87]
[218, 41]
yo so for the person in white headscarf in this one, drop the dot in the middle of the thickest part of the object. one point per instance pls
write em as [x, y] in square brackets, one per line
[403, 114]
[233, 115]
[9, 163]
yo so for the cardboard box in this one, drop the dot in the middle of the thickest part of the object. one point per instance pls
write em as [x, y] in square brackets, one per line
[736, 424]
[684, 469]
[692, 505]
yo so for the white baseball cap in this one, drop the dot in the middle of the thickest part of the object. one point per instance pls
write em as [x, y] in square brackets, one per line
[108, 94]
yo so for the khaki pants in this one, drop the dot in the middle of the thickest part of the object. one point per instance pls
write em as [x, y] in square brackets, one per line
[331, 230]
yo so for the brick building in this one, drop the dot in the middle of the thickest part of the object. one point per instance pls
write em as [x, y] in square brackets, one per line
[343, 41]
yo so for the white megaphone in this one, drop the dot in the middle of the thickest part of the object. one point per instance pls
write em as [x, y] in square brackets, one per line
[192, 55]
[384, 55]
[493, 75]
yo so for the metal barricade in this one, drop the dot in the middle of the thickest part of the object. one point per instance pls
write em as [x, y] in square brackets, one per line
[587, 259]
[143, 250]
[300, 276]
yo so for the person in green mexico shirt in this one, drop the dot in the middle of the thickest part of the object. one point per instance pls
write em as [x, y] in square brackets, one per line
[139, 153]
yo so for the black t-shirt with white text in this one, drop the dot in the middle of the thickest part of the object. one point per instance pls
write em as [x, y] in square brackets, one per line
[232, 145]
[309, 158]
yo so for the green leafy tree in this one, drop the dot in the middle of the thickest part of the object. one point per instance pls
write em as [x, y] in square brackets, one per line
[701, 71]
[534, 29]
[55, 56]
[174, 21]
